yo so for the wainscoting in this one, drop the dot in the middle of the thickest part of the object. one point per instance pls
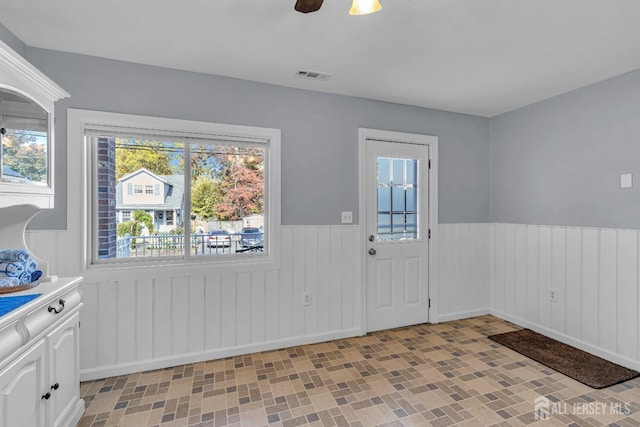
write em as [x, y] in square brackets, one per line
[594, 273]
[463, 271]
[148, 319]
[135, 321]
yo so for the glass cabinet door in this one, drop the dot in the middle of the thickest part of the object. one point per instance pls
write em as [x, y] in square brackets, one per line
[24, 125]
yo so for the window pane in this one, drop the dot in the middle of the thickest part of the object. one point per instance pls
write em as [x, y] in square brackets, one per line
[384, 226]
[227, 199]
[398, 199]
[131, 216]
[384, 201]
[383, 170]
[412, 199]
[402, 224]
[412, 223]
[24, 141]
[412, 177]
[398, 171]
[398, 223]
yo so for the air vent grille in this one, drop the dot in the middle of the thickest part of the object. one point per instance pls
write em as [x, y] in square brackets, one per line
[313, 75]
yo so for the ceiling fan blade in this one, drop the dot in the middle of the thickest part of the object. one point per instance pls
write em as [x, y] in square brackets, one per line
[306, 6]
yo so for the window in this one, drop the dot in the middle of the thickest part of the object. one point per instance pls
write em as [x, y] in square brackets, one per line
[214, 177]
[397, 199]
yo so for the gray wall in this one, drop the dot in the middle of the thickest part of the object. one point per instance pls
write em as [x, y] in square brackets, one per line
[558, 162]
[319, 132]
[14, 42]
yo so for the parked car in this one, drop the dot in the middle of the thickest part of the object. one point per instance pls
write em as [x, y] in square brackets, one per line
[219, 239]
[250, 237]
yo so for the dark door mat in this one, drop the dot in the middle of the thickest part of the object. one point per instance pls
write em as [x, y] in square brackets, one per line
[570, 361]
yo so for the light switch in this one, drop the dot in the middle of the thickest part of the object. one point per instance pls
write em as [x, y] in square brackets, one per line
[626, 180]
[347, 217]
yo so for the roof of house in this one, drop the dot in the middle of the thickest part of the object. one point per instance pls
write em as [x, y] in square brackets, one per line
[148, 172]
[173, 200]
[7, 171]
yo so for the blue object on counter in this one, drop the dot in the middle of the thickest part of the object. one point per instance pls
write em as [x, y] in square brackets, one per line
[8, 304]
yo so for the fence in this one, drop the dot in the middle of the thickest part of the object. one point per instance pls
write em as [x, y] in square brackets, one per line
[200, 244]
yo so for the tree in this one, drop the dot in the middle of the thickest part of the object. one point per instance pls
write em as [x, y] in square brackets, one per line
[242, 192]
[134, 154]
[24, 154]
[205, 195]
[130, 227]
[228, 181]
[145, 218]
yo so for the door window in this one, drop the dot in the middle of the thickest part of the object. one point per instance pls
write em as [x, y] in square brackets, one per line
[397, 202]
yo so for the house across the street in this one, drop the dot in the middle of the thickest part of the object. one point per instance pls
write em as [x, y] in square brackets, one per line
[161, 196]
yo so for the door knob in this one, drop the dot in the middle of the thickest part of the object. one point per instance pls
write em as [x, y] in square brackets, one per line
[372, 251]
[371, 238]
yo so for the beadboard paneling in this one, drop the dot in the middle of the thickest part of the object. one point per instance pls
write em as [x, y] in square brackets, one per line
[594, 273]
[464, 255]
[130, 323]
[135, 323]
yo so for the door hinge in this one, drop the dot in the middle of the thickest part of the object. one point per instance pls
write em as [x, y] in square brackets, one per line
[429, 163]
[429, 233]
[429, 302]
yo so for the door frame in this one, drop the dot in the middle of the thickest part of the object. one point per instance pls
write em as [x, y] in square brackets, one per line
[365, 134]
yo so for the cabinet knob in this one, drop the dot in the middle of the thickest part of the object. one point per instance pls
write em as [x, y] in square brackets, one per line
[46, 396]
[55, 386]
[59, 309]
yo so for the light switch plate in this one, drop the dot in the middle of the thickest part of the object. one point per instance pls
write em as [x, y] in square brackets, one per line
[626, 180]
[347, 217]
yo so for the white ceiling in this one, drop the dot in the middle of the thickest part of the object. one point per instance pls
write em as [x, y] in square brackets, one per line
[482, 57]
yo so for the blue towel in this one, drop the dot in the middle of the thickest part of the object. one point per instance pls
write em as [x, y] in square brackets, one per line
[9, 282]
[30, 265]
[25, 278]
[14, 255]
[36, 275]
[11, 268]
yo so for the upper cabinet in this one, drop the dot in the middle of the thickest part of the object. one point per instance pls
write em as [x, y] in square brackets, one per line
[27, 97]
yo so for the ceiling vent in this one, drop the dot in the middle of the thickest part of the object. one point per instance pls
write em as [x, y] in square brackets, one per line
[313, 75]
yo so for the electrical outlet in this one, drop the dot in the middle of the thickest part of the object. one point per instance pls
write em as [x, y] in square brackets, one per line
[347, 217]
[553, 295]
[307, 298]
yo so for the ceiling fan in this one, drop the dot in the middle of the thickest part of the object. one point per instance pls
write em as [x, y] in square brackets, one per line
[358, 7]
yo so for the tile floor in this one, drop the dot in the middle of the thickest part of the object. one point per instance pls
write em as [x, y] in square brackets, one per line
[432, 375]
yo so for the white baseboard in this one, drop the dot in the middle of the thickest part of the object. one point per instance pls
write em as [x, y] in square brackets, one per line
[463, 315]
[182, 359]
[589, 348]
[76, 414]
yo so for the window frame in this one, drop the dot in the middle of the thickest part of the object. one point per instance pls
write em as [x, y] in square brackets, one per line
[82, 122]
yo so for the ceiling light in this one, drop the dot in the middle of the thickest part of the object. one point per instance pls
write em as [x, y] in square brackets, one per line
[364, 7]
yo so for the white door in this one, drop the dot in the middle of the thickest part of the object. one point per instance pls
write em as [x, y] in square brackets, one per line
[397, 233]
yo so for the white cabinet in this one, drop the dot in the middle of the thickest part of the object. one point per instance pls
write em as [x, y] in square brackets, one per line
[39, 372]
[27, 150]
[21, 386]
[64, 379]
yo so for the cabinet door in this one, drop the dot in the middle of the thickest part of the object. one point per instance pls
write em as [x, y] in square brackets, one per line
[22, 385]
[63, 371]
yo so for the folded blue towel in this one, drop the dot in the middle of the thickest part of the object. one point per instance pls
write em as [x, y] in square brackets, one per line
[8, 282]
[36, 275]
[25, 278]
[14, 255]
[11, 268]
[30, 265]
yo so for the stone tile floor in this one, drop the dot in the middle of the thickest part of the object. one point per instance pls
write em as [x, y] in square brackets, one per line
[432, 375]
